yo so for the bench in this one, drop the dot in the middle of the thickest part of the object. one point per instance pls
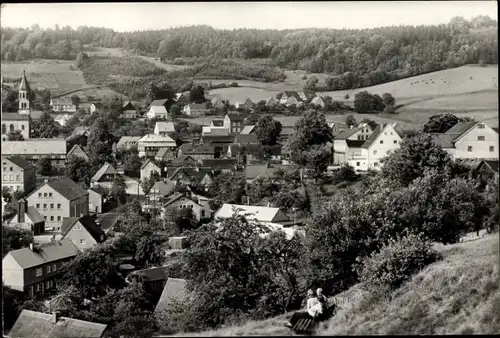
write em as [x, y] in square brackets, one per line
[307, 325]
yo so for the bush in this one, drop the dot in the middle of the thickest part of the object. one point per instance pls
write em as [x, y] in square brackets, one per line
[396, 262]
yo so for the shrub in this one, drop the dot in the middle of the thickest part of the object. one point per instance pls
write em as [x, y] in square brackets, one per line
[396, 262]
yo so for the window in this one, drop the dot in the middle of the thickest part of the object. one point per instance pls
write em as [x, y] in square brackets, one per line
[47, 284]
[39, 272]
[11, 177]
[38, 205]
[52, 218]
[375, 164]
[480, 138]
[5, 177]
[39, 194]
[381, 141]
[374, 152]
[48, 269]
[22, 127]
[18, 178]
[58, 218]
[50, 194]
[44, 194]
[45, 217]
[52, 205]
[58, 205]
[357, 164]
[469, 149]
[54, 267]
[395, 141]
[492, 149]
[203, 213]
[480, 126]
[78, 227]
[82, 241]
[44, 206]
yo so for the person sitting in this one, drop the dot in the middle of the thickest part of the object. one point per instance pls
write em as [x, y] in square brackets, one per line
[312, 308]
[322, 298]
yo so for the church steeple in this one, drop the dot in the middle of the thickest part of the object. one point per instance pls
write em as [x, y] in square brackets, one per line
[24, 96]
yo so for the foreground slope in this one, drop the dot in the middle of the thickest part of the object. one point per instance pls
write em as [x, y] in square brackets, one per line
[459, 294]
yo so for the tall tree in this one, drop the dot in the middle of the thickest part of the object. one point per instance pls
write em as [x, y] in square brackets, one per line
[268, 130]
[15, 135]
[78, 170]
[440, 123]
[45, 127]
[197, 94]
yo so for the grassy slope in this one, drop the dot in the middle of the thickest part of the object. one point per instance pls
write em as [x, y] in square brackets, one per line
[457, 295]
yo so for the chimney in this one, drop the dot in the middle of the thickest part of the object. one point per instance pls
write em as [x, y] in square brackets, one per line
[46, 180]
[22, 206]
[55, 317]
[350, 126]
[31, 246]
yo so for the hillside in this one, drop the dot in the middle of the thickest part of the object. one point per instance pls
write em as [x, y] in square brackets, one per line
[459, 294]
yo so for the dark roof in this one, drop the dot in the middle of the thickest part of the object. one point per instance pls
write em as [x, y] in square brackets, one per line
[24, 85]
[355, 143]
[183, 159]
[45, 253]
[461, 127]
[372, 137]
[492, 165]
[292, 93]
[106, 169]
[78, 151]
[35, 215]
[218, 123]
[14, 117]
[444, 140]
[174, 290]
[345, 134]
[495, 129]
[193, 173]
[129, 105]
[164, 153]
[235, 117]
[246, 139]
[158, 102]
[87, 222]
[153, 274]
[98, 104]
[147, 162]
[20, 162]
[31, 324]
[223, 163]
[164, 188]
[205, 148]
[73, 137]
[198, 105]
[217, 138]
[66, 187]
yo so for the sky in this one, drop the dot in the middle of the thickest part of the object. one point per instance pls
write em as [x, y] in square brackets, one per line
[125, 17]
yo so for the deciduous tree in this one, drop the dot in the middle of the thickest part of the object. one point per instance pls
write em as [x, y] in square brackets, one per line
[268, 130]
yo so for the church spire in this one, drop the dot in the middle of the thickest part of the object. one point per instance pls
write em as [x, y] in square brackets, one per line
[24, 83]
[24, 96]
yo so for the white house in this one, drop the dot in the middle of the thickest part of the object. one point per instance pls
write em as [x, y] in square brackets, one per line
[197, 203]
[383, 140]
[62, 119]
[62, 105]
[347, 145]
[151, 143]
[195, 109]
[158, 112]
[318, 101]
[470, 140]
[164, 128]
[148, 168]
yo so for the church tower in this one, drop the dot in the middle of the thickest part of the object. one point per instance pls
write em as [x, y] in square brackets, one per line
[24, 96]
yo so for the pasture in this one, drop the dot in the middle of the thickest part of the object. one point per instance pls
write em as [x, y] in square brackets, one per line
[58, 76]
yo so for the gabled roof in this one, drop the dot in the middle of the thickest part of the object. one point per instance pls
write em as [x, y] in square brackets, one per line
[492, 165]
[128, 105]
[164, 188]
[147, 162]
[98, 104]
[165, 127]
[246, 139]
[317, 100]
[73, 137]
[196, 173]
[218, 123]
[31, 324]
[217, 138]
[158, 138]
[372, 137]
[461, 127]
[106, 169]
[164, 152]
[14, 117]
[197, 106]
[495, 129]
[34, 215]
[234, 117]
[287, 130]
[87, 223]
[174, 290]
[190, 148]
[77, 151]
[158, 103]
[40, 146]
[183, 158]
[247, 130]
[66, 187]
[158, 110]
[45, 253]
[81, 130]
[290, 93]
[355, 143]
[20, 162]
[345, 134]
[262, 214]
[127, 139]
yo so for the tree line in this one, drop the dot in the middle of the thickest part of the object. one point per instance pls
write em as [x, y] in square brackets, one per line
[358, 57]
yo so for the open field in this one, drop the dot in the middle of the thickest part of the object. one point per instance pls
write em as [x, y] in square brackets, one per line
[55, 75]
[459, 294]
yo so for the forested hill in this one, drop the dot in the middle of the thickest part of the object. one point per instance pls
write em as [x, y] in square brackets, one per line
[387, 51]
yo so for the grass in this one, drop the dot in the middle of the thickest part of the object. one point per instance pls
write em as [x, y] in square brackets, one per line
[459, 294]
